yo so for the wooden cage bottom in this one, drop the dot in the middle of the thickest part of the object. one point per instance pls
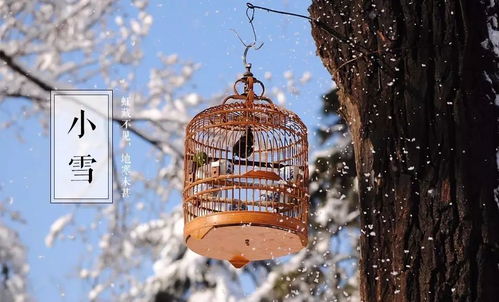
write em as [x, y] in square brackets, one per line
[244, 236]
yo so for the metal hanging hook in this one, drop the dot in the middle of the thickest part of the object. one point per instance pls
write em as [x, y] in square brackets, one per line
[245, 54]
[247, 48]
[250, 14]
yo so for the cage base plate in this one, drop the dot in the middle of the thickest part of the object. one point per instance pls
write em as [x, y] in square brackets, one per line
[244, 242]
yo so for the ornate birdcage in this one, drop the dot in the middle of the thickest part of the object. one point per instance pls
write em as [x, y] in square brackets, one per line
[246, 178]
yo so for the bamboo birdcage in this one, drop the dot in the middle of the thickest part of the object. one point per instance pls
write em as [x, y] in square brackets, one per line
[246, 179]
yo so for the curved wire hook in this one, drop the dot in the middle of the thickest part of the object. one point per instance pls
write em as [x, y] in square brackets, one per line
[246, 46]
[251, 17]
[245, 54]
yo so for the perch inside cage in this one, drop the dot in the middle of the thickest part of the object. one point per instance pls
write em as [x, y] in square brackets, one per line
[246, 174]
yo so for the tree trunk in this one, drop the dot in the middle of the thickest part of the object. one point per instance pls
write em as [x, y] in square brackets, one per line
[418, 95]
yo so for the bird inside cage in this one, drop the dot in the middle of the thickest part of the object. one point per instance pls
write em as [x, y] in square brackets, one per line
[200, 158]
[244, 146]
[199, 171]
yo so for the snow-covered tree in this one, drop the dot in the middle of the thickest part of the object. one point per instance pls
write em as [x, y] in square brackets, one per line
[13, 266]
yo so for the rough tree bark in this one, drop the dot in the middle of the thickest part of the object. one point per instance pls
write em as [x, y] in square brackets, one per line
[418, 94]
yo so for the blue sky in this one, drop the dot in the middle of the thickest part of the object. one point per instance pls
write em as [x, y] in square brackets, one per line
[196, 31]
